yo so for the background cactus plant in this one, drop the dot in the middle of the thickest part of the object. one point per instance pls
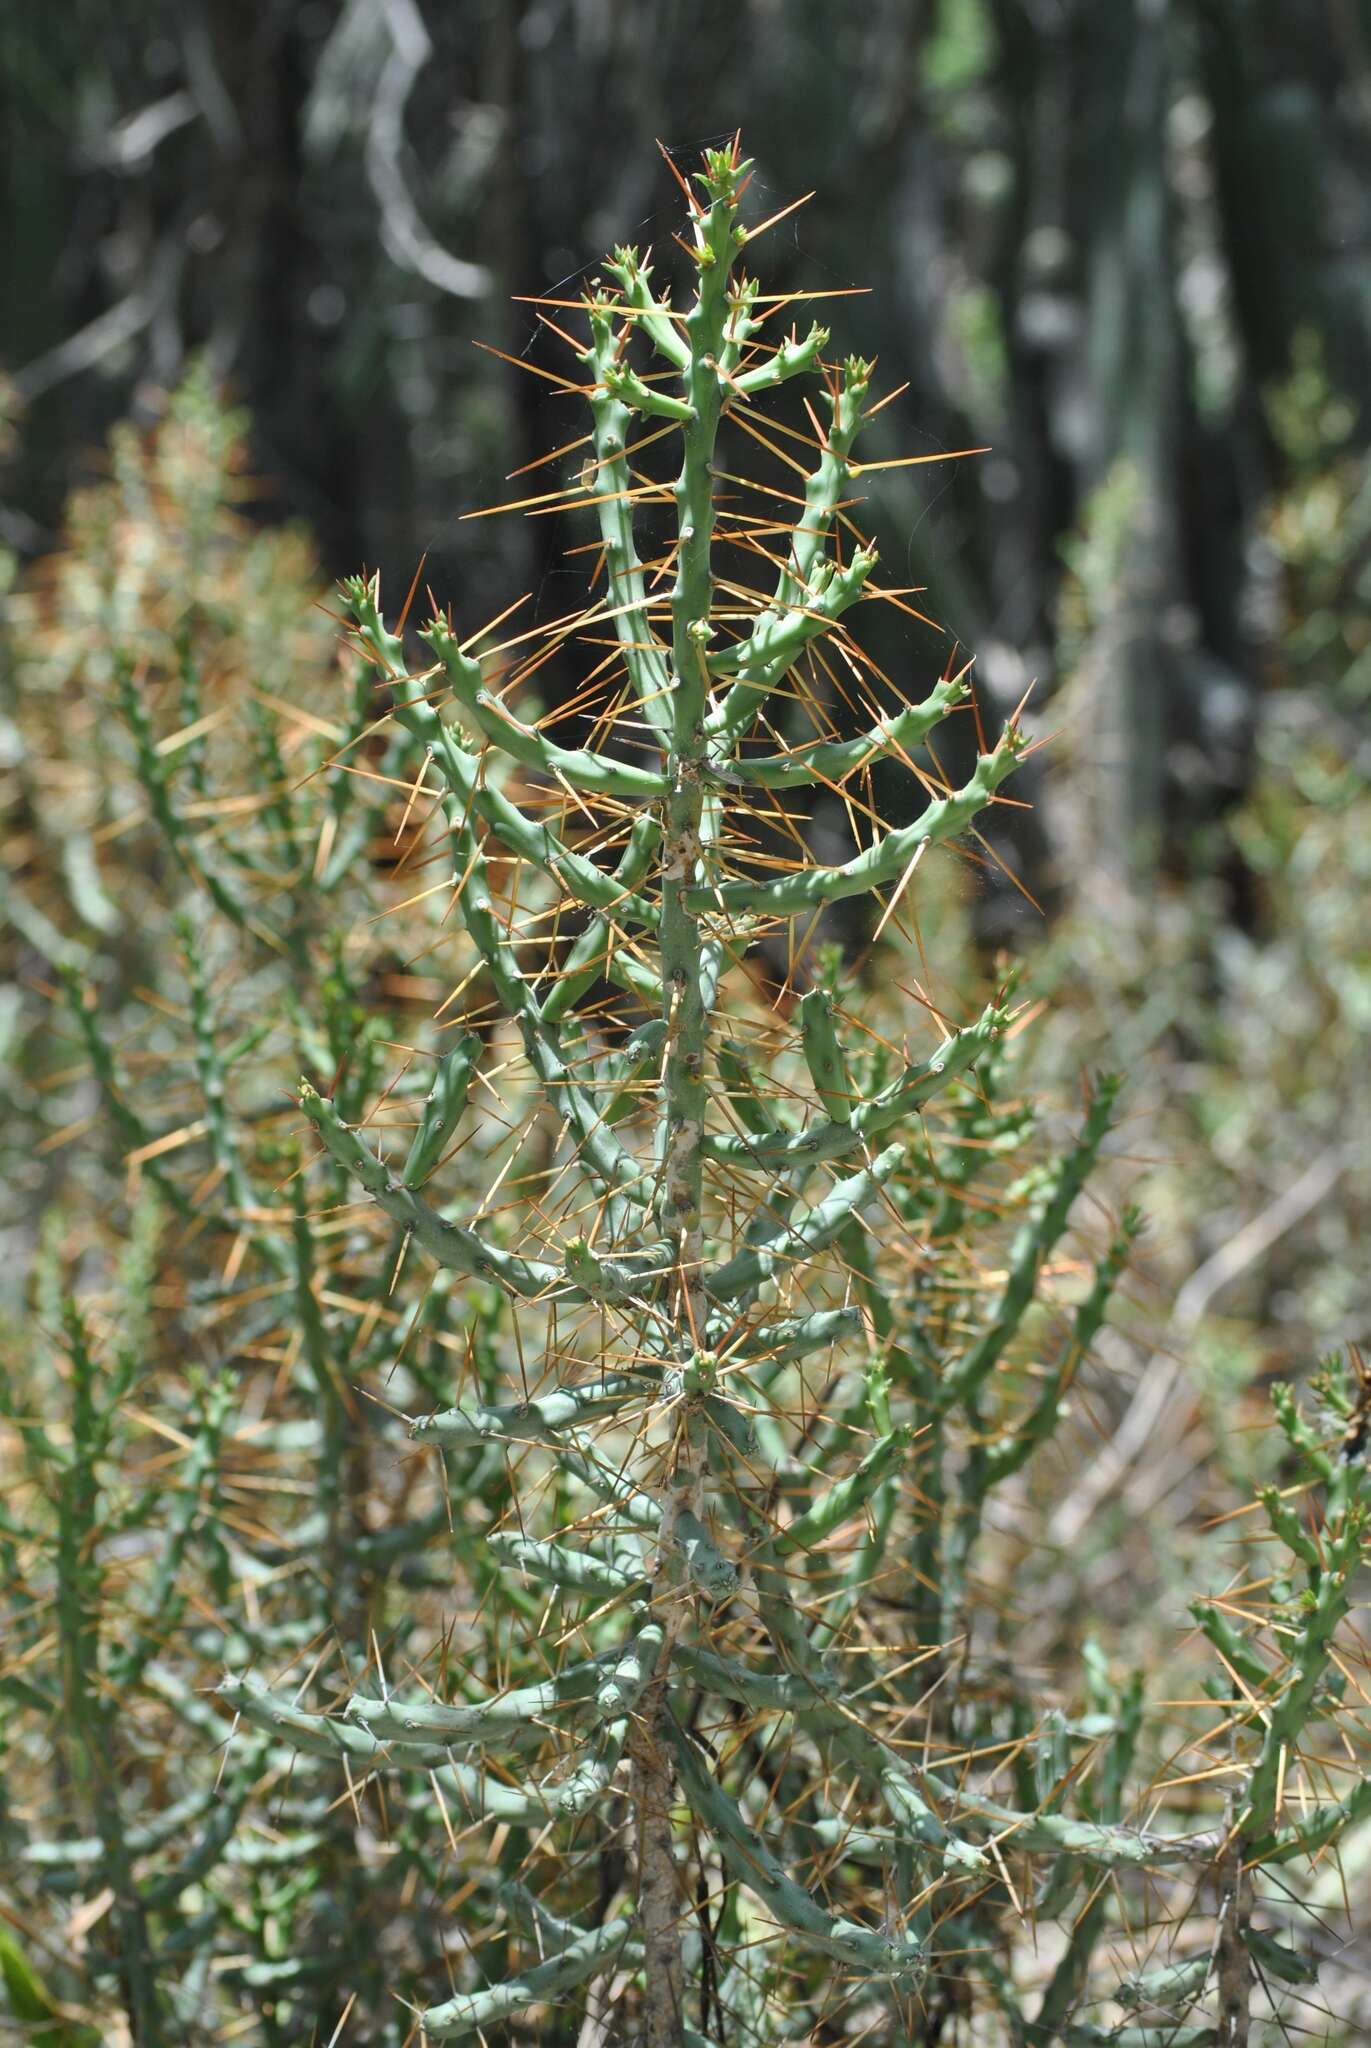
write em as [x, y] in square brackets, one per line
[659, 1693]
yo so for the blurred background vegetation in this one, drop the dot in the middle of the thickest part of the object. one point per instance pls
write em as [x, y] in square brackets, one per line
[1124, 246]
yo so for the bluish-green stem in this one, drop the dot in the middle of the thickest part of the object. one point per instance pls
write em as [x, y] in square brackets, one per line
[684, 1546]
[469, 1791]
[826, 761]
[787, 1339]
[656, 319]
[592, 954]
[778, 640]
[584, 1786]
[133, 1133]
[810, 1232]
[779, 634]
[597, 773]
[89, 1713]
[155, 777]
[1233, 1647]
[792, 358]
[631, 1279]
[1315, 1829]
[824, 1055]
[553, 1564]
[963, 1385]
[441, 1108]
[613, 1484]
[828, 483]
[533, 841]
[562, 1408]
[843, 1941]
[624, 1075]
[350, 821]
[507, 1715]
[833, 1505]
[1035, 1241]
[610, 484]
[812, 1686]
[278, 1714]
[616, 1173]
[584, 1957]
[1327, 1601]
[1067, 1983]
[633, 1670]
[867, 1118]
[467, 788]
[449, 1244]
[601, 1154]
[810, 888]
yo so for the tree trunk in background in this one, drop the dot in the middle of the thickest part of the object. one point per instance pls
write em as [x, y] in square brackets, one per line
[1128, 435]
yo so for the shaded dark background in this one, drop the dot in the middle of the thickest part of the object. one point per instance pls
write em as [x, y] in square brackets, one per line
[1097, 232]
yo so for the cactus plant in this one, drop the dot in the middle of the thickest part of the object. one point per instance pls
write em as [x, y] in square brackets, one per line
[638, 1661]
[724, 1513]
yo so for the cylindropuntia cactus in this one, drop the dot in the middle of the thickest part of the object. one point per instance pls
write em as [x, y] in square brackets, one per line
[735, 1750]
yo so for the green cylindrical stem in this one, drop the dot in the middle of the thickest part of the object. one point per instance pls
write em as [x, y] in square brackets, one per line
[554, 1565]
[791, 1338]
[599, 1149]
[763, 1691]
[531, 1421]
[635, 1669]
[591, 955]
[588, 1782]
[656, 319]
[441, 1108]
[610, 484]
[917, 1085]
[836, 1504]
[810, 888]
[590, 1953]
[597, 774]
[469, 791]
[1285, 1719]
[791, 359]
[824, 1055]
[277, 1714]
[422, 1723]
[780, 637]
[845, 1942]
[810, 1232]
[832, 761]
[804, 604]
[447, 1243]
[1034, 1242]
